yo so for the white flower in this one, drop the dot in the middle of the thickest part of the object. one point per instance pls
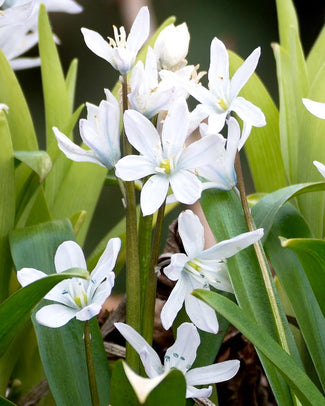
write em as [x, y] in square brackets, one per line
[16, 13]
[120, 52]
[147, 96]
[181, 355]
[320, 167]
[199, 268]
[315, 108]
[75, 297]
[221, 174]
[165, 158]
[171, 46]
[100, 132]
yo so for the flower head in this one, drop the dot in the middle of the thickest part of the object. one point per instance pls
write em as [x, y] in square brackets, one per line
[75, 297]
[181, 355]
[165, 158]
[100, 132]
[198, 269]
[120, 51]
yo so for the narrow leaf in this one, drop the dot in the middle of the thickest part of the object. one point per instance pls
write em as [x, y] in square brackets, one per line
[39, 161]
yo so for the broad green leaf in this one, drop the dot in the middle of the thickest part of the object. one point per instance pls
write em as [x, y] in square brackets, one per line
[7, 204]
[19, 118]
[267, 207]
[168, 390]
[289, 223]
[5, 402]
[225, 217]
[62, 349]
[16, 310]
[287, 19]
[311, 253]
[303, 387]
[262, 148]
[56, 98]
[315, 58]
[39, 161]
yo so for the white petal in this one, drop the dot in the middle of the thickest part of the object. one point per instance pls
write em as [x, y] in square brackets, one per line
[244, 72]
[186, 186]
[29, 275]
[139, 31]
[191, 232]
[320, 167]
[228, 248]
[200, 152]
[142, 134]
[174, 269]
[216, 122]
[24, 63]
[218, 73]
[100, 293]
[152, 362]
[213, 373]
[88, 312]
[134, 167]
[315, 108]
[55, 315]
[175, 128]
[192, 392]
[174, 303]
[69, 255]
[247, 111]
[59, 294]
[96, 43]
[66, 6]
[181, 355]
[153, 194]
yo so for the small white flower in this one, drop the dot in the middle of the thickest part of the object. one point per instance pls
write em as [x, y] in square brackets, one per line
[75, 297]
[181, 355]
[100, 132]
[171, 46]
[199, 268]
[147, 96]
[120, 52]
[165, 158]
[315, 108]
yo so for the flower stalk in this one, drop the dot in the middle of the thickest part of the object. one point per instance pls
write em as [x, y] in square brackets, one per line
[90, 365]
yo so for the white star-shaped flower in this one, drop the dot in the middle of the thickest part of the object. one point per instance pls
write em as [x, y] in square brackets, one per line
[120, 52]
[165, 159]
[197, 269]
[75, 297]
[100, 132]
[181, 355]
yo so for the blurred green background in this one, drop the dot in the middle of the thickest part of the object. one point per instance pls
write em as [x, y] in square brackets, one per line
[242, 25]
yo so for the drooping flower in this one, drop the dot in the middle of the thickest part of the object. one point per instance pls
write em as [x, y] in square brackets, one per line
[165, 158]
[75, 297]
[147, 96]
[315, 108]
[100, 132]
[171, 47]
[181, 355]
[120, 52]
[198, 269]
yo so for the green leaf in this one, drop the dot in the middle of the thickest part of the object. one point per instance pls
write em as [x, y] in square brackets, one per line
[7, 204]
[304, 388]
[62, 349]
[262, 148]
[289, 223]
[315, 58]
[19, 118]
[16, 310]
[71, 81]
[5, 402]
[287, 19]
[311, 253]
[56, 98]
[267, 207]
[39, 161]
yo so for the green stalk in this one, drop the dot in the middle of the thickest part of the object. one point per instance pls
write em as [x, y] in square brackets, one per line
[132, 254]
[90, 366]
[151, 285]
[266, 273]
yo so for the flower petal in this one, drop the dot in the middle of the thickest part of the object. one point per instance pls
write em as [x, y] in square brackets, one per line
[139, 31]
[174, 303]
[55, 315]
[315, 108]
[192, 392]
[153, 194]
[191, 232]
[186, 186]
[213, 373]
[69, 255]
[182, 353]
[320, 167]
[218, 73]
[174, 269]
[88, 312]
[175, 128]
[150, 358]
[247, 111]
[26, 276]
[200, 152]
[101, 293]
[96, 43]
[134, 167]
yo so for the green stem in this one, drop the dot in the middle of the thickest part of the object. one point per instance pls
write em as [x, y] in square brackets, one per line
[90, 365]
[266, 273]
[151, 285]
[132, 254]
